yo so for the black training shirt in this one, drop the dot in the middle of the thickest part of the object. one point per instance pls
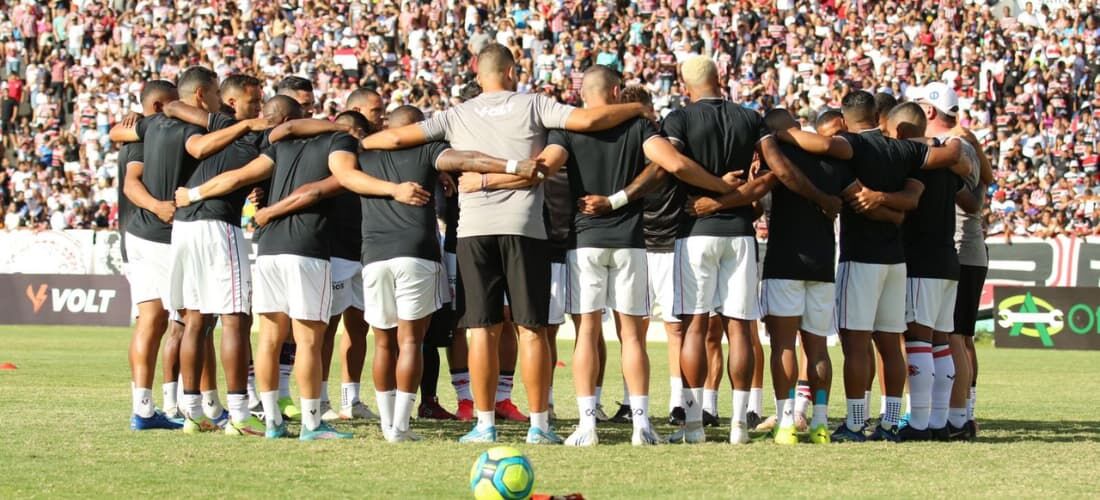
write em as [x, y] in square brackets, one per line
[299, 162]
[226, 208]
[167, 167]
[558, 208]
[722, 137]
[131, 152]
[929, 231]
[801, 241]
[393, 229]
[603, 163]
[661, 219]
[881, 164]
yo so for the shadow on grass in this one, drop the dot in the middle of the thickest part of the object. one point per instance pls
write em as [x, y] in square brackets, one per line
[1016, 431]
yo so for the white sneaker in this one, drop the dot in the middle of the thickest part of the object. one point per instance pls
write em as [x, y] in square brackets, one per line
[173, 412]
[691, 433]
[644, 436]
[358, 411]
[327, 413]
[399, 436]
[583, 436]
[739, 433]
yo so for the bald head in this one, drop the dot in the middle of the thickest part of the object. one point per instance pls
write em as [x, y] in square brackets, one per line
[906, 121]
[404, 115]
[600, 85]
[780, 119]
[496, 67]
[282, 108]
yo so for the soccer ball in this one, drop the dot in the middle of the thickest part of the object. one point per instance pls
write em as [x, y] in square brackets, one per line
[502, 473]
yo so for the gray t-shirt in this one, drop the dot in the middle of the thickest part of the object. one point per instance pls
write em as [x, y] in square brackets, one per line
[505, 125]
[969, 233]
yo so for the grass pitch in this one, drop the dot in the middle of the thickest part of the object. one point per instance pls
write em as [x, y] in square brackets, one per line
[64, 416]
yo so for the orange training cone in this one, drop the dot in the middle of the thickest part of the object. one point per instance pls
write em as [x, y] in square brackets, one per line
[7, 366]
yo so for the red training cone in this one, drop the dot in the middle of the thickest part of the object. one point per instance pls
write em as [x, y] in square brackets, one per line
[7, 366]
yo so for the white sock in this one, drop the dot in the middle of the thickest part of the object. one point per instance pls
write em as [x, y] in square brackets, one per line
[349, 395]
[461, 382]
[169, 392]
[785, 408]
[143, 402]
[921, 378]
[892, 414]
[626, 393]
[882, 404]
[238, 406]
[253, 396]
[191, 405]
[487, 419]
[956, 417]
[944, 364]
[324, 391]
[539, 420]
[908, 403]
[386, 401]
[211, 405]
[284, 380]
[270, 402]
[802, 399]
[504, 386]
[639, 411]
[311, 413]
[676, 393]
[857, 414]
[741, 402]
[402, 410]
[970, 402]
[599, 395]
[179, 388]
[867, 398]
[586, 406]
[710, 401]
[756, 401]
[693, 405]
[821, 408]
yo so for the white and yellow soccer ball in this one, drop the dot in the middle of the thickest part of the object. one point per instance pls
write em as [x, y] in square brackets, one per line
[502, 473]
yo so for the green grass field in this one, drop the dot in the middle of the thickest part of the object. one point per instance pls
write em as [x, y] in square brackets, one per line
[63, 432]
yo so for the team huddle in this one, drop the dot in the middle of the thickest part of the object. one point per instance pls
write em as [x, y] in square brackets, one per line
[550, 210]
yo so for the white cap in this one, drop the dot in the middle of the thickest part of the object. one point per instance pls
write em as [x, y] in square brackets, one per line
[939, 95]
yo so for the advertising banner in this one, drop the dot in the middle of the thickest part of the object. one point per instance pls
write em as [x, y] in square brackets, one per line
[1047, 318]
[52, 299]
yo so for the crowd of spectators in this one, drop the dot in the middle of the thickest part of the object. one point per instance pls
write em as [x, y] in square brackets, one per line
[1028, 75]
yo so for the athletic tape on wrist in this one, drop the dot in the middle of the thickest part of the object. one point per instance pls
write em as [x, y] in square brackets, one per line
[618, 200]
[511, 167]
[193, 195]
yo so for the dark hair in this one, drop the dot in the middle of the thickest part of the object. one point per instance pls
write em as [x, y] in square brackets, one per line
[406, 114]
[293, 84]
[155, 88]
[858, 107]
[238, 82]
[470, 91]
[495, 58]
[827, 116]
[884, 102]
[637, 93]
[196, 77]
[284, 106]
[357, 119]
[362, 93]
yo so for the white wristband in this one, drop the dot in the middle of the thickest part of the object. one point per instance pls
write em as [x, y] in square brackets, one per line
[511, 167]
[193, 195]
[618, 200]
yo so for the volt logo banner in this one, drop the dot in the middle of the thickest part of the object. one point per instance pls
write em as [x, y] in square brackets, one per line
[1047, 318]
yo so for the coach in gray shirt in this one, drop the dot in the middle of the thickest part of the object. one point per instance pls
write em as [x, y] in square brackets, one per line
[501, 237]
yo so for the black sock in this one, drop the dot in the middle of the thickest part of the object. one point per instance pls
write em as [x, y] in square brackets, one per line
[430, 380]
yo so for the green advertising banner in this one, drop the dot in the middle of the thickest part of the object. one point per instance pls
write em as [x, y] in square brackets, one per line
[1046, 318]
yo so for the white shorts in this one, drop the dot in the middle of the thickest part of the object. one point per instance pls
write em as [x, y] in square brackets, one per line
[402, 288]
[716, 274]
[600, 278]
[209, 268]
[661, 293]
[870, 297]
[347, 285]
[931, 302]
[814, 301]
[300, 287]
[559, 282]
[148, 270]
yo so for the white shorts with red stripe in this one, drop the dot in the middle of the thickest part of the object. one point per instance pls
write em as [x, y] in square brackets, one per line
[870, 297]
[300, 287]
[930, 302]
[209, 269]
